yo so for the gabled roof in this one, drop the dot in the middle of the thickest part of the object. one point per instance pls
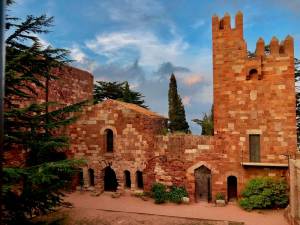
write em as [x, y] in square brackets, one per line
[135, 108]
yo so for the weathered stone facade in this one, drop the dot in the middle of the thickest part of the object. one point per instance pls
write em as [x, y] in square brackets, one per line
[72, 86]
[252, 96]
[134, 131]
[254, 121]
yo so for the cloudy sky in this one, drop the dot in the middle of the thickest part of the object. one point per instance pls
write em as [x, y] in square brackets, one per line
[143, 41]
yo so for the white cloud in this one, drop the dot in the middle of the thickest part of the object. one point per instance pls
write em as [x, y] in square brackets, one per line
[198, 23]
[151, 50]
[186, 100]
[204, 94]
[81, 59]
[191, 80]
[77, 54]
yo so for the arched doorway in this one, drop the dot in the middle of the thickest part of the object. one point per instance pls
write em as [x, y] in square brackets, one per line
[203, 183]
[139, 179]
[91, 177]
[110, 179]
[231, 188]
[127, 179]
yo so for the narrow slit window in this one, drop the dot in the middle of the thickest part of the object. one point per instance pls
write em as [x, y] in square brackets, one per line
[109, 140]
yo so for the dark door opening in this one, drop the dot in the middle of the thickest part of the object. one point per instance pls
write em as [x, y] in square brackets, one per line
[91, 177]
[110, 179]
[139, 179]
[203, 184]
[232, 188]
[127, 179]
[80, 178]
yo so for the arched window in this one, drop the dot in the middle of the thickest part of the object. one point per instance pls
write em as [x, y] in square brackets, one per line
[109, 136]
[252, 73]
[139, 179]
[91, 177]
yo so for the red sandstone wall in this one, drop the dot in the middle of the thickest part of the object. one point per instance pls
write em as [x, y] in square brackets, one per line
[73, 85]
[261, 104]
[134, 139]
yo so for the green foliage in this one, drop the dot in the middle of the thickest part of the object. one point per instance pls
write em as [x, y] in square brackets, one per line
[220, 196]
[206, 123]
[264, 192]
[118, 91]
[176, 194]
[177, 120]
[35, 188]
[159, 193]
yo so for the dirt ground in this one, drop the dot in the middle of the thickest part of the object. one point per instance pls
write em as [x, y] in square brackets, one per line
[100, 217]
[129, 210]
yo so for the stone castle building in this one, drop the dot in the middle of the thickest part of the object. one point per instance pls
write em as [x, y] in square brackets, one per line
[254, 123]
[125, 146]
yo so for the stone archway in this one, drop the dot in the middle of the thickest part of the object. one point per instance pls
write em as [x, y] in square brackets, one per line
[231, 188]
[203, 183]
[110, 179]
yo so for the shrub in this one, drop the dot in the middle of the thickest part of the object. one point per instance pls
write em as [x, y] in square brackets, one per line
[159, 193]
[220, 196]
[176, 194]
[264, 192]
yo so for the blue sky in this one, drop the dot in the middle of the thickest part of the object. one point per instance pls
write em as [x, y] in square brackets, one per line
[143, 41]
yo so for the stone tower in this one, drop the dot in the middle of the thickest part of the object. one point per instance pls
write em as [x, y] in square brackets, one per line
[254, 97]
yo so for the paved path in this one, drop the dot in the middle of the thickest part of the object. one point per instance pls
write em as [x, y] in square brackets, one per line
[197, 210]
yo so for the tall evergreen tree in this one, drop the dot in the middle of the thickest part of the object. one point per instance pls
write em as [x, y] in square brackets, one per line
[35, 187]
[119, 91]
[206, 123]
[177, 120]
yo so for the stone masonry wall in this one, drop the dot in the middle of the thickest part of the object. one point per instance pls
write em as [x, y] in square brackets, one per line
[253, 95]
[134, 139]
[72, 86]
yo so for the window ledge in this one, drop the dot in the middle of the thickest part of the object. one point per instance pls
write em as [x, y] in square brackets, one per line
[108, 154]
[261, 164]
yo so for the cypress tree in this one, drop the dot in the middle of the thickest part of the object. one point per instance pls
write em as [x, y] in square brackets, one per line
[177, 120]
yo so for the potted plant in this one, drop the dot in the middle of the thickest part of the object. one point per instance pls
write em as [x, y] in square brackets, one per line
[220, 199]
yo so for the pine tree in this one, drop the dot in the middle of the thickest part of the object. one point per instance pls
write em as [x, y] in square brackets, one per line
[35, 187]
[206, 123]
[177, 120]
[119, 91]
